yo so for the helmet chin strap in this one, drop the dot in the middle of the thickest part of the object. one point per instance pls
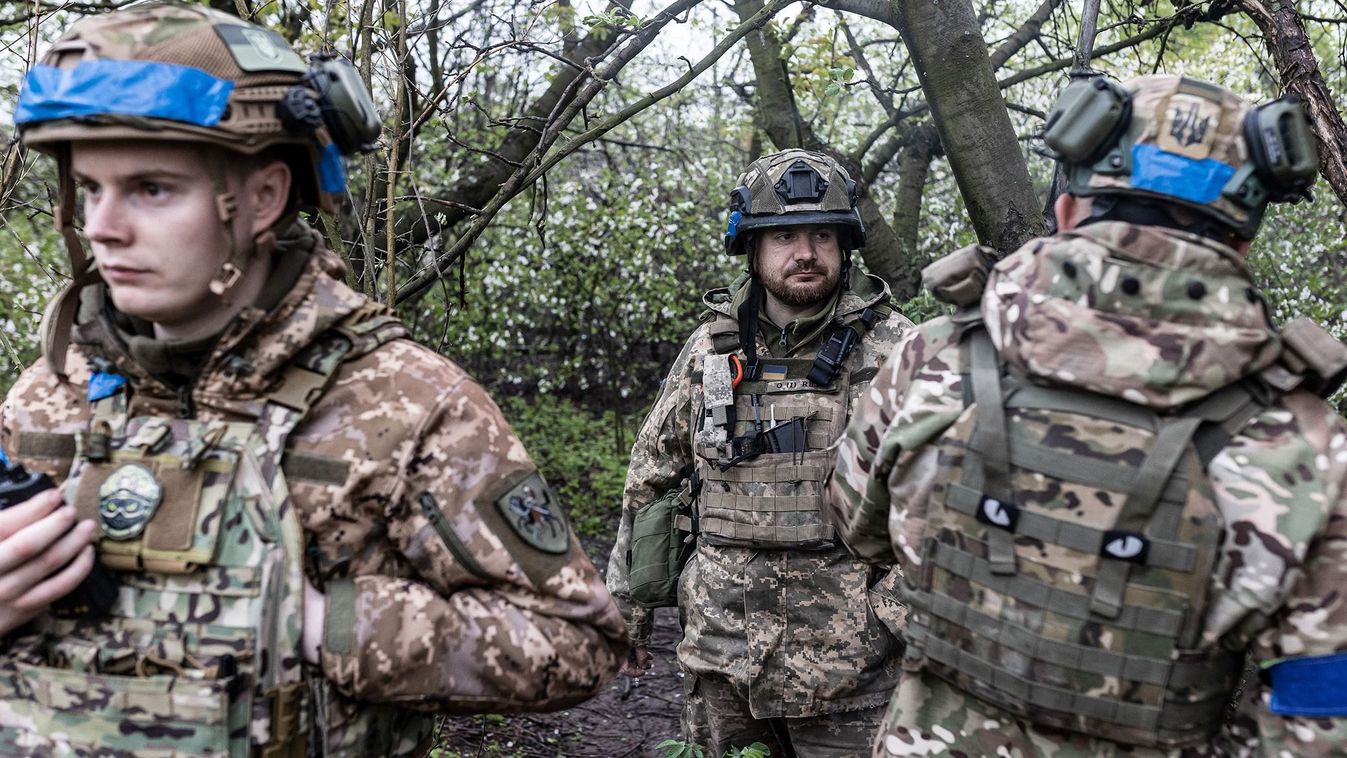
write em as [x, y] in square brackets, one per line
[58, 322]
[226, 208]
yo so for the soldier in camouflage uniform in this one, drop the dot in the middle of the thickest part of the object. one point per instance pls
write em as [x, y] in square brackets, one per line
[1115, 495]
[787, 640]
[316, 532]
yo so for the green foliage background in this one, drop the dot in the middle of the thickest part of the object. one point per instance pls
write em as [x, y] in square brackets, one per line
[581, 292]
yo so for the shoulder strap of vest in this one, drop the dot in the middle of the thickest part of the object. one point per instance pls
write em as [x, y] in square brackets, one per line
[312, 369]
[724, 334]
[1314, 355]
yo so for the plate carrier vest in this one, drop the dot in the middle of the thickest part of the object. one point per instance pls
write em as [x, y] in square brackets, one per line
[200, 655]
[1096, 631]
[774, 500]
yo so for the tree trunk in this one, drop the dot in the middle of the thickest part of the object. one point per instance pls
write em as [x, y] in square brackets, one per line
[1284, 32]
[952, 63]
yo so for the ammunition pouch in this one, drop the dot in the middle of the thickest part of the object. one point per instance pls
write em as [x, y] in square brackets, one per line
[663, 538]
[1317, 356]
[960, 277]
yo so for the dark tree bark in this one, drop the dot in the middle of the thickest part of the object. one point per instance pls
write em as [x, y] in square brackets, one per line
[955, 71]
[1284, 32]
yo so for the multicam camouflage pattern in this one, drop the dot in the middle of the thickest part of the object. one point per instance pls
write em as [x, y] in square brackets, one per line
[1069, 311]
[183, 35]
[1185, 117]
[434, 603]
[802, 633]
[1275, 590]
[794, 187]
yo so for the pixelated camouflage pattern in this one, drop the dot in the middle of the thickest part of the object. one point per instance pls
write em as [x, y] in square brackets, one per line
[430, 608]
[801, 632]
[1194, 119]
[717, 717]
[1276, 588]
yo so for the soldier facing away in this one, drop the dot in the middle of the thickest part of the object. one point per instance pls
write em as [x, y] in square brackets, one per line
[315, 531]
[787, 640]
[1113, 486]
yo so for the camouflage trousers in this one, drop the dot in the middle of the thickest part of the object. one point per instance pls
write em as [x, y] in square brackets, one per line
[717, 717]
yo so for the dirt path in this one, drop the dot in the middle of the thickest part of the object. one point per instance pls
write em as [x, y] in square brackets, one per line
[629, 718]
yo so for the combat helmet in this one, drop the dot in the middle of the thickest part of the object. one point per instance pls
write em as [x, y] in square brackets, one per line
[1182, 141]
[794, 187]
[183, 73]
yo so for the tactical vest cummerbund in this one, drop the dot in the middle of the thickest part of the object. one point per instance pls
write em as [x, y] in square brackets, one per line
[774, 499]
[1068, 555]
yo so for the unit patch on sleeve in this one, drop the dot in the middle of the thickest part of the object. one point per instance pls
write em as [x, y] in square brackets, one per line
[534, 514]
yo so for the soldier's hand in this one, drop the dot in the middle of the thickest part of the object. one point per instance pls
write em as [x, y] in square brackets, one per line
[638, 661]
[44, 555]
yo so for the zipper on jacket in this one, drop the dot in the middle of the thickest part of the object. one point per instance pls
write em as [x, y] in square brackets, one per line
[435, 516]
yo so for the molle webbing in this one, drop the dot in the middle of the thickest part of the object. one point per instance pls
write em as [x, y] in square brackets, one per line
[1073, 605]
[1033, 656]
[1174, 722]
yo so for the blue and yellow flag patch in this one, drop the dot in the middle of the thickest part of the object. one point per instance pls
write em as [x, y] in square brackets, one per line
[772, 372]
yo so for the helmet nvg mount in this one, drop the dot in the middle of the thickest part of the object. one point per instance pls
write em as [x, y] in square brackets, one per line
[1183, 141]
[794, 187]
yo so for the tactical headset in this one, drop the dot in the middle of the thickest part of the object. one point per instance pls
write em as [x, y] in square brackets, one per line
[1090, 128]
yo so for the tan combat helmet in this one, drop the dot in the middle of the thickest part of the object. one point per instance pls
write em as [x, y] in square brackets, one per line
[184, 73]
[794, 187]
[1183, 141]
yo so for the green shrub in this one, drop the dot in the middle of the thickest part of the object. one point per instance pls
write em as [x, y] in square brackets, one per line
[583, 456]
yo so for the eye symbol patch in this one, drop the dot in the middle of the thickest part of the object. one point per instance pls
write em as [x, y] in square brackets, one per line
[1125, 546]
[993, 512]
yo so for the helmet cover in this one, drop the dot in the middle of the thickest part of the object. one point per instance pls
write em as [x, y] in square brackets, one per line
[794, 187]
[1183, 141]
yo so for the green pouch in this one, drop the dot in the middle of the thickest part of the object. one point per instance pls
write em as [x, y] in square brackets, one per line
[662, 541]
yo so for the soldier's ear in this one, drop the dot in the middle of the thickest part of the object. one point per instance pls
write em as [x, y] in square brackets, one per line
[1070, 211]
[267, 190]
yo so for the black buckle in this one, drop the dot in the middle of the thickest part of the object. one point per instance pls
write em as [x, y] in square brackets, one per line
[828, 360]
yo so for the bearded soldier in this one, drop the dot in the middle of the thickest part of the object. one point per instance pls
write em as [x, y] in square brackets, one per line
[787, 640]
[1109, 481]
[309, 531]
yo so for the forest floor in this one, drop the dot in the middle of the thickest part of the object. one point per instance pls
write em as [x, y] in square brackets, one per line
[629, 718]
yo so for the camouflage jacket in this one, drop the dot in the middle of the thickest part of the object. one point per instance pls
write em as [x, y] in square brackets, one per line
[818, 641]
[1277, 587]
[434, 603]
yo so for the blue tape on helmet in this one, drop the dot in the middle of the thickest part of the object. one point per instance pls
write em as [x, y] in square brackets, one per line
[733, 228]
[123, 88]
[1309, 686]
[103, 385]
[4, 461]
[1166, 173]
[331, 170]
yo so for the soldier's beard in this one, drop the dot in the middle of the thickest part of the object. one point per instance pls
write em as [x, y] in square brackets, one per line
[801, 294]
